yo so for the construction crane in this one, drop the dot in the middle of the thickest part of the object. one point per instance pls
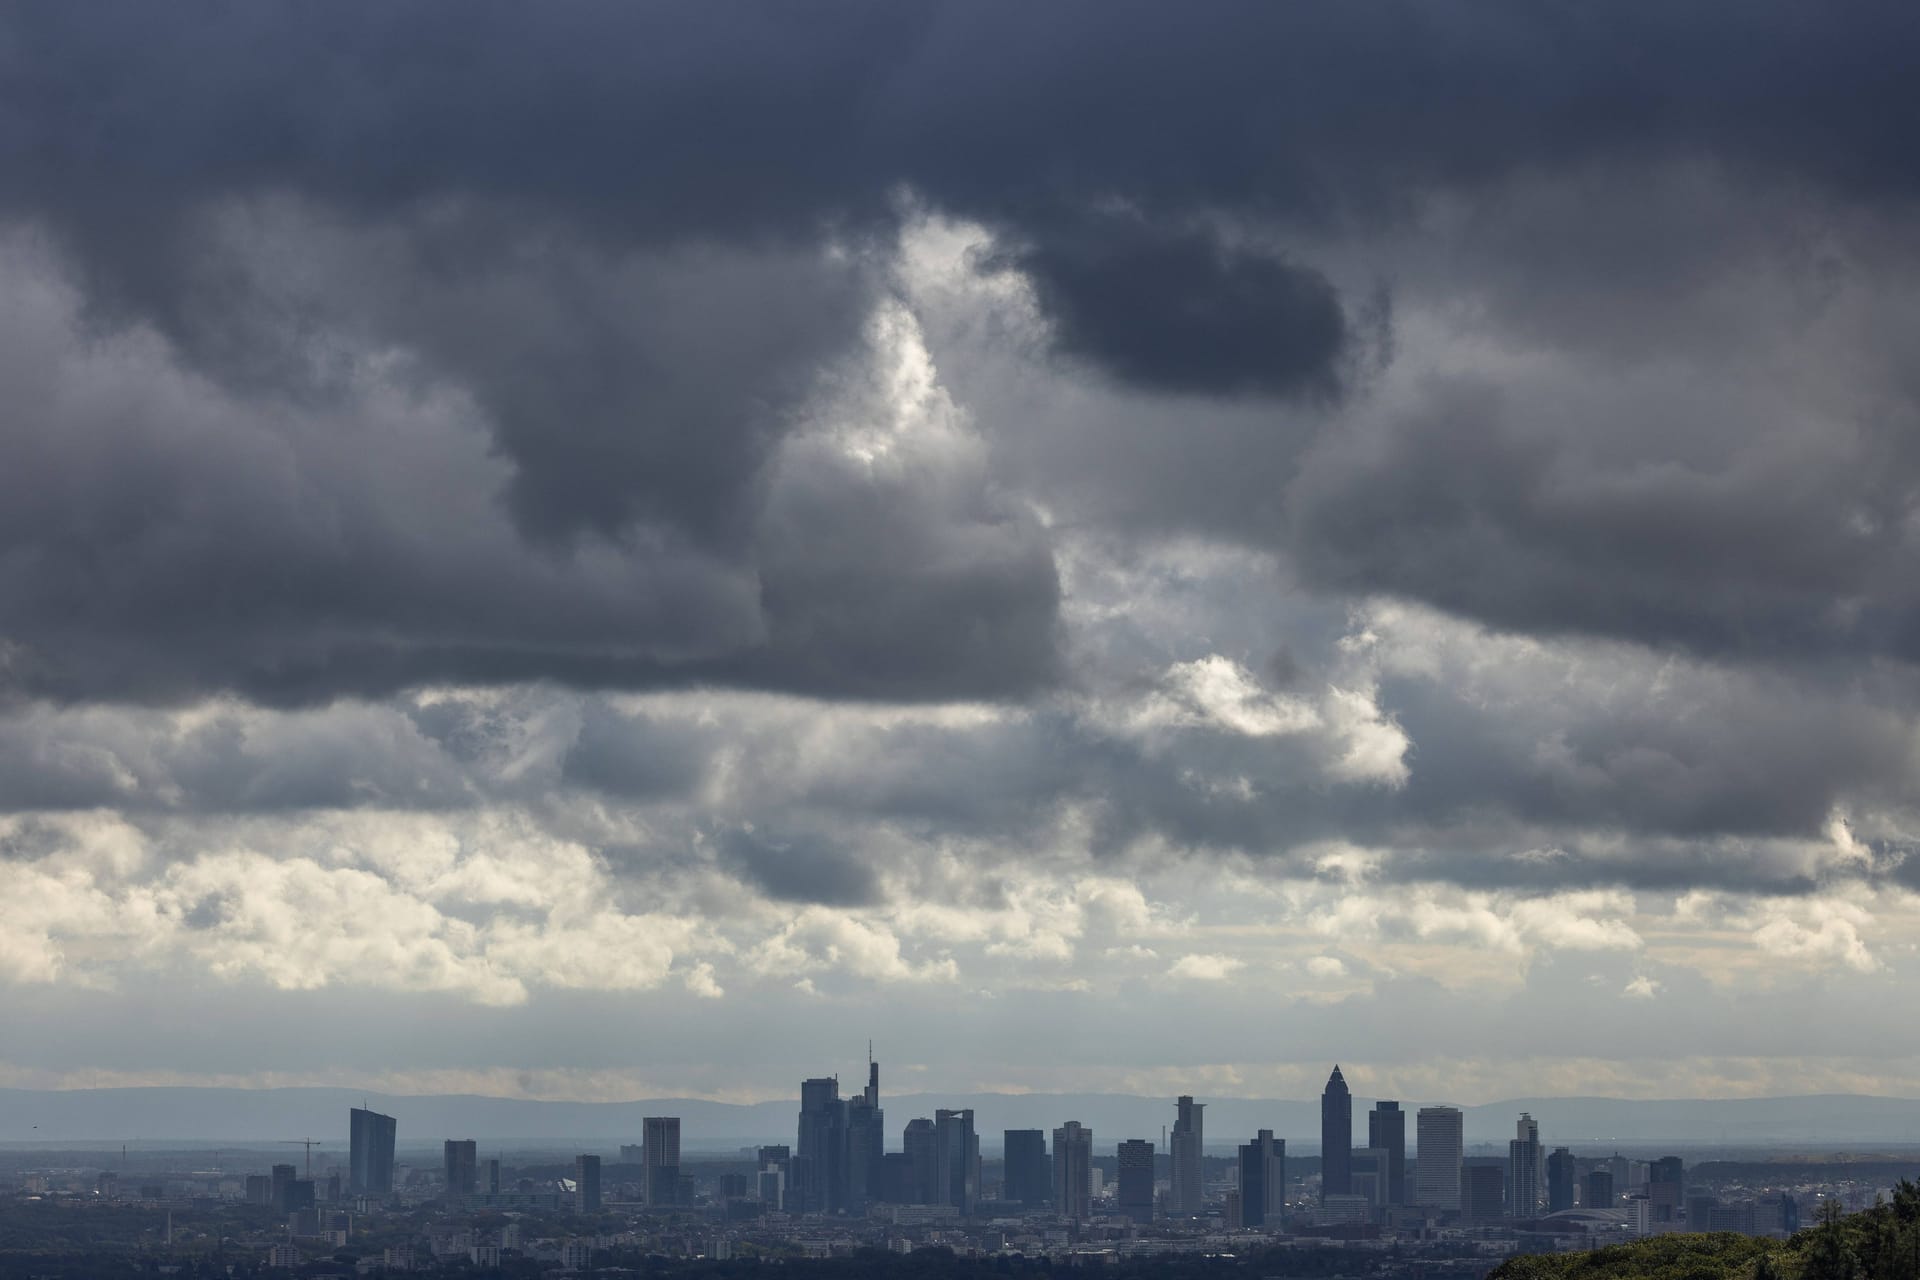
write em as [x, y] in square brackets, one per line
[309, 1144]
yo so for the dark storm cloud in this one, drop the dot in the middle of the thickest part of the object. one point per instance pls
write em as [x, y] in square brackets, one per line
[1181, 313]
[603, 224]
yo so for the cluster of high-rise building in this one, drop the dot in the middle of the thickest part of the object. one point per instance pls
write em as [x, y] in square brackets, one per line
[839, 1165]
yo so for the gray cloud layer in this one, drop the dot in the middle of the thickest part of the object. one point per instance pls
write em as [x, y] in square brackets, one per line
[843, 494]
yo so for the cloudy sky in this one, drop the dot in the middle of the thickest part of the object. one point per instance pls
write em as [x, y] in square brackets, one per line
[607, 551]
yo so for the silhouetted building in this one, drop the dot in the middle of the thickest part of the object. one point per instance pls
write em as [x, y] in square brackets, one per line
[1560, 1180]
[370, 1152]
[1135, 1193]
[956, 1160]
[1336, 1138]
[660, 1159]
[1387, 1131]
[866, 1143]
[775, 1164]
[1440, 1132]
[820, 1155]
[461, 1161]
[1523, 1168]
[921, 1145]
[493, 1177]
[1188, 1192]
[1367, 1175]
[1073, 1171]
[259, 1189]
[1029, 1174]
[1598, 1192]
[586, 1184]
[1666, 1190]
[1483, 1188]
[282, 1197]
[1263, 1180]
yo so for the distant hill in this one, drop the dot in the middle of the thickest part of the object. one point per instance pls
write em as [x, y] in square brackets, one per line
[263, 1115]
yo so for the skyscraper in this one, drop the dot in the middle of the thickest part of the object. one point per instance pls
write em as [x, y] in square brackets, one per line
[1523, 1168]
[866, 1142]
[1440, 1133]
[1560, 1179]
[820, 1154]
[660, 1151]
[461, 1158]
[1188, 1191]
[1598, 1191]
[586, 1184]
[1336, 1138]
[956, 1160]
[1073, 1171]
[1263, 1180]
[922, 1147]
[282, 1193]
[1135, 1158]
[1483, 1186]
[1666, 1188]
[1029, 1176]
[1387, 1131]
[370, 1152]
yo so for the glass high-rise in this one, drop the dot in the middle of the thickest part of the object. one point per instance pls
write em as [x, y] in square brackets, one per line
[1336, 1138]
[1187, 1192]
[1029, 1174]
[1440, 1133]
[370, 1152]
[1135, 1193]
[1387, 1132]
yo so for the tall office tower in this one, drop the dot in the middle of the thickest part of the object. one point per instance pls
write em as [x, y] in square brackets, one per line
[1029, 1173]
[1387, 1131]
[493, 1177]
[660, 1158]
[1336, 1137]
[866, 1142]
[1523, 1168]
[1440, 1132]
[922, 1147]
[462, 1161]
[586, 1184]
[281, 1196]
[1597, 1193]
[820, 1155]
[1189, 1191]
[1483, 1189]
[1666, 1188]
[1073, 1171]
[1135, 1157]
[1263, 1180]
[1560, 1179]
[956, 1173]
[370, 1152]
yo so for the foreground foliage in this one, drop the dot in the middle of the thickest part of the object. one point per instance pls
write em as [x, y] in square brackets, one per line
[1881, 1243]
